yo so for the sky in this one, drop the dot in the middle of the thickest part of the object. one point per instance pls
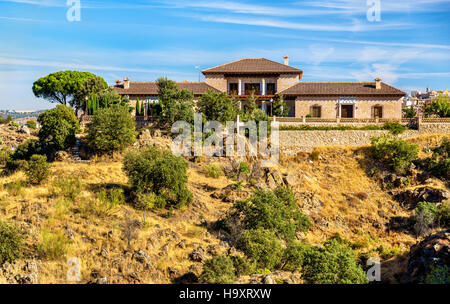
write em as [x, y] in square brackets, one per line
[406, 43]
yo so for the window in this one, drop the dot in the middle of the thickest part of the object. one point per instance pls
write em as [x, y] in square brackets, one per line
[316, 111]
[378, 112]
[270, 89]
[252, 87]
[234, 89]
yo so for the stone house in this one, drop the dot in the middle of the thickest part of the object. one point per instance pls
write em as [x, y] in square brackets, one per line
[266, 78]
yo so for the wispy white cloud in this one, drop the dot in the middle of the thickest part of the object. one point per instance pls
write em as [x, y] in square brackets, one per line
[354, 27]
[399, 6]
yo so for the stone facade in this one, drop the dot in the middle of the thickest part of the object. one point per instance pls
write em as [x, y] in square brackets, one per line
[363, 107]
[218, 82]
[286, 81]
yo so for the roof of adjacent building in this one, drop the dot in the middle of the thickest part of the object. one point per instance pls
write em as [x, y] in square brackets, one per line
[341, 89]
[253, 66]
[151, 88]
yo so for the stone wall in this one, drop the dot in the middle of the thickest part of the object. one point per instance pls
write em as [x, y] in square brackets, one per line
[292, 142]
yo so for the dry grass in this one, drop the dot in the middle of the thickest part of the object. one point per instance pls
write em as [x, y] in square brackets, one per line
[351, 207]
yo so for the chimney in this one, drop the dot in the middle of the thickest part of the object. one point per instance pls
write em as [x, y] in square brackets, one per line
[286, 60]
[126, 83]
[378, 83]
[117, 81]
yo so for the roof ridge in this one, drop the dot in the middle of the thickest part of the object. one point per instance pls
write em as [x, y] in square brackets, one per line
[217, 66]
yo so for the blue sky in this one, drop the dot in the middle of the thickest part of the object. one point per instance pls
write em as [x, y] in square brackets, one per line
[330, 40]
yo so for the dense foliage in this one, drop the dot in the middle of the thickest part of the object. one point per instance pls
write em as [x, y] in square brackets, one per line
[333, 264]
[394, 152]
[60, 87]
[112, 129]
[11, 243]
[262, 247]
[439, 107]
[276, 211]
[439, 163]
[218, 270]
[58, 128]
[177, 105]
[217, 106]
[37, 169]
[156, 173]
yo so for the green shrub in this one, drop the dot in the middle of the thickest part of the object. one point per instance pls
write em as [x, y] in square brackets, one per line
[216, 106]
[262, 247]
[214, 171]
[53, 246]
[218, 270]
[439, 163]
[67, 186]
[244, 168]
[59, 126]
[241, 265]
[11, 243]
[273, 210]
[293, 257]
[112, 129]
[427, 211]
[395, 152]
[443, 215]
[439, 274]
[161, 172]
[31, 124]
[333, 264]
[37, 169]
[394, 127]
[25, 150]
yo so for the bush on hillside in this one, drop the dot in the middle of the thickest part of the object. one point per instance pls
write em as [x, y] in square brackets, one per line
[11, 243]
[218, 270]
[333, 264]
[394, 127]
[31, 124]
[394, 152]
[293, 257]
[112, 129]
[213, 170]
[59, 126]
[37, 169]
[262, 247]
[27, 149]
[157, 171]
[273, 210]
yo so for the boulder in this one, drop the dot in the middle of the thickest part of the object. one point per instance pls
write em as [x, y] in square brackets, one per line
[197, 255]
[142, 257]
[428, 255]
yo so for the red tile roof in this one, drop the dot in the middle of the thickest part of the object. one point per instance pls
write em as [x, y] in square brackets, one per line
[341, 89]
[151, 88]
[253, 66]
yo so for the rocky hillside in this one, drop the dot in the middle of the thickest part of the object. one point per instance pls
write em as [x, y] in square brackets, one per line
[116, 243]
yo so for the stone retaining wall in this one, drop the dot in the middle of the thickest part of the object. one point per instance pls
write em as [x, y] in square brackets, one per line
[292, 142]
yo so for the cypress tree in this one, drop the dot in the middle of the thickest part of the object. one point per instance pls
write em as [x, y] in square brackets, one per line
[138, 108]
[142, 109]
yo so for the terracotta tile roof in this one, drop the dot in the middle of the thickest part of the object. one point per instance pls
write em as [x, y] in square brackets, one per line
[150, 88]
[253, 66]
[341, 89]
